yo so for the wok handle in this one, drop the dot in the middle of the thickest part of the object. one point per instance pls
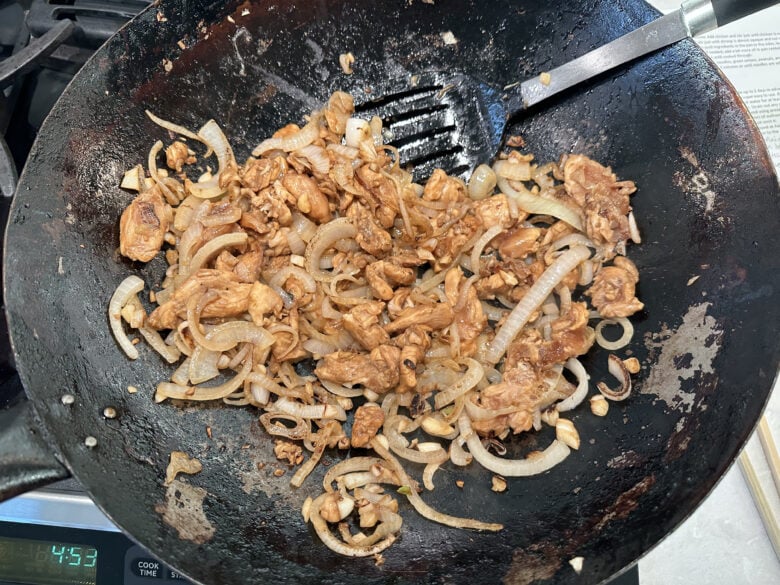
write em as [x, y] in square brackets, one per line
[26, 460]
[727, 11]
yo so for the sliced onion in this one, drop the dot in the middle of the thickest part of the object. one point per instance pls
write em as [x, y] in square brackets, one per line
[427, 475]
[350, 465]
[470, 379]
[318, 157]
[277, 281]
[417, 502]
[296, 243]
[479, 246]
[130, 286]
[322, 438]
[182, 374]
[318, 348]
[175, 128]
[625, 338]
[213, 247]
[458, 455]
[575, 367]
[304, 137]
[482, 182]
[319, 411]
[618, 369]
[169, 353]
[260, 395]
[303, 226]
[203, 365]
[513, 169]
[201, 393]
[534, 204]
[533, 299]
[344, 151]
[340, 390]
[633, 230]
[338, 546]
[357, 132]
[551, 456]
[325, 237]
[301, 431]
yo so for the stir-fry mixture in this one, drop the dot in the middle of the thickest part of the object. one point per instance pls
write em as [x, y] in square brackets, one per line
[416, 325]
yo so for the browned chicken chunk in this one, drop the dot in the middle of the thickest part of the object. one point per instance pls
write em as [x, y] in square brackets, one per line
[377, 371]
[362, 322]
[613, 291]
[143, 225]
[368, 420]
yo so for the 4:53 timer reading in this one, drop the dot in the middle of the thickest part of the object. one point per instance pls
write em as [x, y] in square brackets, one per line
[74, 556]
[36, 562]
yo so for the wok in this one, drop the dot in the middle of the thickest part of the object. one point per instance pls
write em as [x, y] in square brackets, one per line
[707, 205]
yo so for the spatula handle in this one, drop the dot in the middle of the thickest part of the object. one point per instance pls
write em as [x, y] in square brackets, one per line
[727, 11]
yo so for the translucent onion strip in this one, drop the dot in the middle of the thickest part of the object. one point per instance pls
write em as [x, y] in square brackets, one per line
[209, 250]
[539, 205]
[550, 457]
[169, 353]
[625, 338]
[304, 137]
[338, 546]
[473, 375]
[575, 367]
[325, 237]
[417, 502]
[538, 293]
[129, 287]
[201, 393]
[479, 246]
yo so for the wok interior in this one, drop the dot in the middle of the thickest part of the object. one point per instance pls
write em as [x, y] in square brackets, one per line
[639, 471]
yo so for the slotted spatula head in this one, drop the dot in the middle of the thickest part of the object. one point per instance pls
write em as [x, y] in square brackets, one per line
[441, 120]
[456, 122]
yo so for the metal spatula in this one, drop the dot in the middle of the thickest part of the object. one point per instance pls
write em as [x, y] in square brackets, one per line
[456, 122]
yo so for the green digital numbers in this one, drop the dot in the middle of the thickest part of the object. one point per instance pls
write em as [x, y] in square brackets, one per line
[58, 552]
[91, 558]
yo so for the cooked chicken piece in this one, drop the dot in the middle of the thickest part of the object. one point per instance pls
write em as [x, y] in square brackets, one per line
[272, 204]
[177, 155]
[225, 262]
[469, 317]
[263, 300]
[232, 298]
[570, 337]
[385, 193]
[490, 286]
[362, 322]
[143, 225]
[382, 276]
[255, 221]
[613, 291]
[495, 211]
[368, 420]
[370, 235]
[401, 300]
[260, 173]
[308, 197]
[519, 243]
[414, 342]
[520, 391]
[249, 265]
[340, 107]
[436, 316]
[451, 244]
[288, 451]
[377, 371]
[603, 199]
[442, 187]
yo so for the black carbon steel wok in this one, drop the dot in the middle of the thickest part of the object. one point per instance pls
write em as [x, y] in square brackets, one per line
[707, 206]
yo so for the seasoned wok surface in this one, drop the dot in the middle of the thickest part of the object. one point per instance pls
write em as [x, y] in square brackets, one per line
[708, 202]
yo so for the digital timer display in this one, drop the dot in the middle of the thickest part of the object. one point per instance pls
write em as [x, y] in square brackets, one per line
[33, 562]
